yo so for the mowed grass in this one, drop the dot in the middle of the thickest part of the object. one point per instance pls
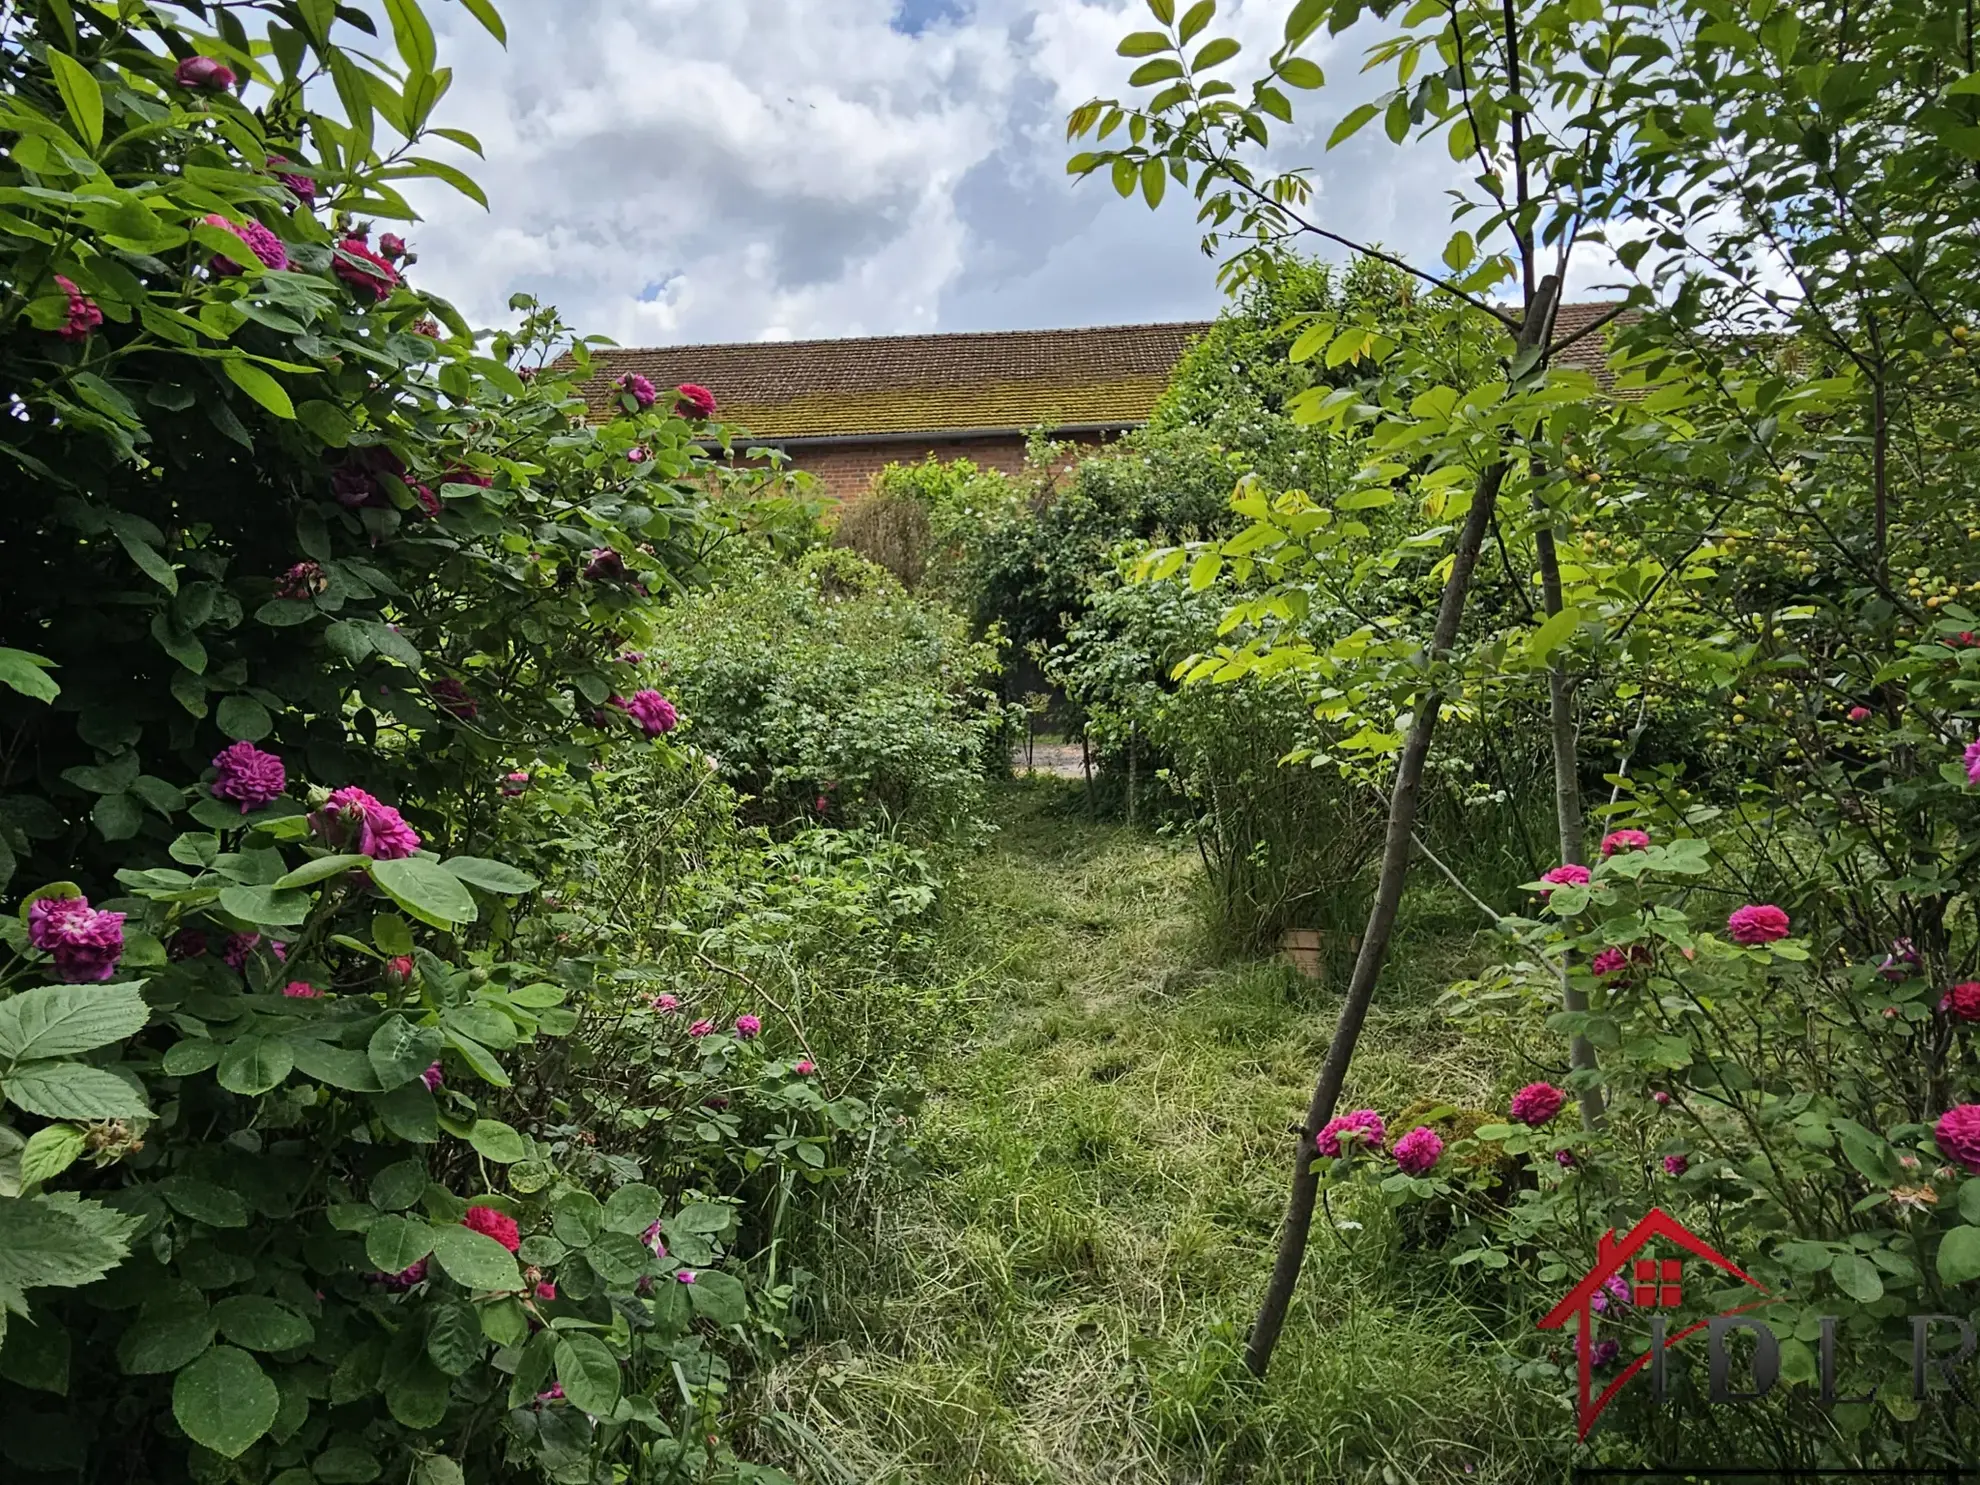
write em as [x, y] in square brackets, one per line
[1063, 1297]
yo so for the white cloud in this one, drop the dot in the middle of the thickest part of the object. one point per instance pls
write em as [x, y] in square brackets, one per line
[670, 170]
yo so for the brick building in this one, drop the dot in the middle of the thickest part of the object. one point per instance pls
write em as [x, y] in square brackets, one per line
[842, 409]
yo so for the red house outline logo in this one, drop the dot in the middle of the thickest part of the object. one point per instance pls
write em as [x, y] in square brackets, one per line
[1658, 1284]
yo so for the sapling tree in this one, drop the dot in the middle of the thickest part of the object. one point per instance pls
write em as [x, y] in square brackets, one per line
[1527, 93]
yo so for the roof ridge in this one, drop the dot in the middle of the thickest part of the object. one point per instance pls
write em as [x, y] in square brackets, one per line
[905, 335]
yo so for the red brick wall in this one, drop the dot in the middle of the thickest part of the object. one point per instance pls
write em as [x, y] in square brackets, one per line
[844, 470]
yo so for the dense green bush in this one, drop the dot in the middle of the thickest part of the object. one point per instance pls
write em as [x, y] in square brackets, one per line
[825, 694]
[317, 1162]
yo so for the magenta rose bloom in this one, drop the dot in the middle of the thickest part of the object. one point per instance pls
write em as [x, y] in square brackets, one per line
[1565, 1159]
[1859, 714]
[701, 1028]
[357, 265]
[301, 990]
[1363, 1129]
[665, 1003]
[301, 186]
[654, 713]
[265, 245]
[655, 1243]
[491, 1223]
[187, 943]
[1676, 1165]
[1571, 875]
[82, 315]
[247, 776]
[85, 942]
[1609, 962]
[637, 387]
[1958, 1135]
[391, 247]
[1757, 923]
[692, 401]
[685, 1276]
[748, 1026]
[805, 1067]
[433, 1077]
[1604, 1353]
[1419, 1150]
[1623, 840]
[1962, 1002]
[1614, 1290]
[357, 481]
[1536, 1104]
[203, 74]
[238, 946]
[453, 699]
[353, 819]
[304, 580]
[406, 1277]
[606, 565]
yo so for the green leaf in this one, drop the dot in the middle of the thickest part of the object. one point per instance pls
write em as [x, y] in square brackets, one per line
[262, 1324]
[455, 1342]
[117, 816]
[1215, 54]
[496, 1141]
[485, 12]
[1195, 19]
[618, 1258]
[400, 1051]
[81, 96]
[399, 1185]
[426, 889]
[390, 933]
[1348, 127]
[50, 1151]
[27, 674]
[1298, 72]
[1144, 44]
[533, 1368]
[1959, 1255]
[1857, 1277]
[475, 1260]
[460, 180]
[1162, 69]
[588, 1372]
[69, 1090]
[244, 718]
[255, 1064]
[60, 1241]
[259, 385]
[166, 1336]
[491, 876]
[718, 1297]
[1154, 181]
[1551, 635]
[413, 34]
[632, 1208]
[225, 1401]
[62, 1020]
[204, 1202]
[436, 1469]
[339, 1067]
[410, 1112]
[394, 1244]
[321, 869]
[265, 905]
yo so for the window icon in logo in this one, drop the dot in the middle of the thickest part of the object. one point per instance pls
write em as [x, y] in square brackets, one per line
[1659, 1283]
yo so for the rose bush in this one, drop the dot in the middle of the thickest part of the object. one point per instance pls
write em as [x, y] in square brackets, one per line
[300, 606]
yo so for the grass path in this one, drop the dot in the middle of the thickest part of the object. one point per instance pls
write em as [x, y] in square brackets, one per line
[1062, 1299]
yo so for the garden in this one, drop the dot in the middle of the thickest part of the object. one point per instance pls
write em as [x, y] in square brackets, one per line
[524, 956]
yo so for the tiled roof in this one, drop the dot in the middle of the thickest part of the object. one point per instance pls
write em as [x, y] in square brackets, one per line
[1107, 376]
[1591, 352]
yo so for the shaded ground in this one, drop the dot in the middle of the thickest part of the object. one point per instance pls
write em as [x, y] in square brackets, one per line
[1053, 759]
[1063, 1298]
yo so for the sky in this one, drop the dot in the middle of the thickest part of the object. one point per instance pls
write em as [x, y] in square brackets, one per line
[678, 171]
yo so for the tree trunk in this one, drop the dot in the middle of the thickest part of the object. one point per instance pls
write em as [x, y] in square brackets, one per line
[1567, 796]
[1264, 1337]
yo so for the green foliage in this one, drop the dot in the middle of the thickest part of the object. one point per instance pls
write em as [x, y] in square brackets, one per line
[825, 693]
